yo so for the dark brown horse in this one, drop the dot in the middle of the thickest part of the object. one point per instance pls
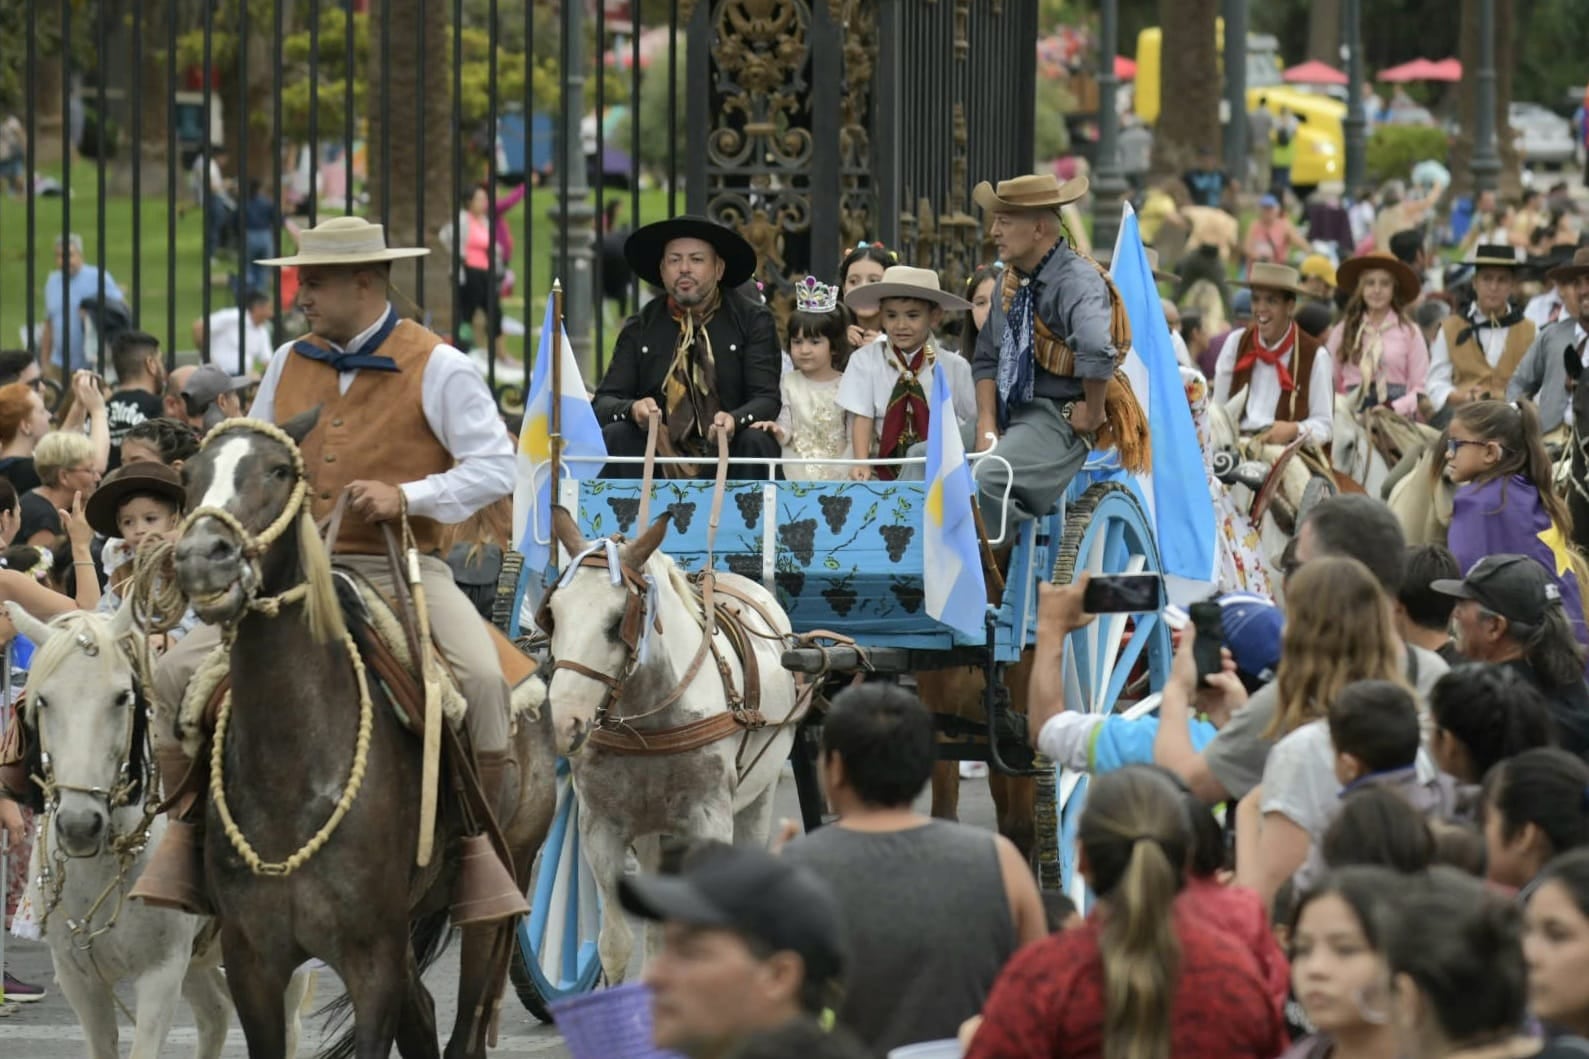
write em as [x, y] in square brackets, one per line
[291, 751]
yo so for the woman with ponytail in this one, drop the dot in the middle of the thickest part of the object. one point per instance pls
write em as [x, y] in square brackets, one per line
[1143, 978]
[1505, 503]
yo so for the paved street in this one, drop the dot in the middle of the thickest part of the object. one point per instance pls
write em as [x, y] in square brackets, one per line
[48, 1029]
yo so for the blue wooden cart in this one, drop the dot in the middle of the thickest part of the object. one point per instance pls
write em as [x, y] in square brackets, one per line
[847, 557]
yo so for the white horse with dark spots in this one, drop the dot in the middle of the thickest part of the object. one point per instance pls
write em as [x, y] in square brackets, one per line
[637, 683]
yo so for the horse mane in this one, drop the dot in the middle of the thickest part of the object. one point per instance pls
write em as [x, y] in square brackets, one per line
[321, 608]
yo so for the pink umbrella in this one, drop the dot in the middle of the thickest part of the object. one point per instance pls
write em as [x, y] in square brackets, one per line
[1125, 69]
[1417, 70]
[1445, 70]
[1314, 72]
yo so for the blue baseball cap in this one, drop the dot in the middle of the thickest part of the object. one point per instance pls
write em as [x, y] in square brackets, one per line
[1253, 628]
[1241, 302]
[1268, 200]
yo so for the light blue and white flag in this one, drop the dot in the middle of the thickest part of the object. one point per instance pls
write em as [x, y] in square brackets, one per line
[956, 594]
[583, 451]
[1176, 488]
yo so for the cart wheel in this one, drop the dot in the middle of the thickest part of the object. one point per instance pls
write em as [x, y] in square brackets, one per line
[557, 954]
[509, 594]
[1106, 532]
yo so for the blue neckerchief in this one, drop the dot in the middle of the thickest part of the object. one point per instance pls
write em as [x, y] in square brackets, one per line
[352, 360]
[1017, 368]
[1382, 777]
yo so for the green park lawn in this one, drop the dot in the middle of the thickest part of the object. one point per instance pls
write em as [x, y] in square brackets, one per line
[156, 296]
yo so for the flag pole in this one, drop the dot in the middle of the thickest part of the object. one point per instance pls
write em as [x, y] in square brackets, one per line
[556, 377]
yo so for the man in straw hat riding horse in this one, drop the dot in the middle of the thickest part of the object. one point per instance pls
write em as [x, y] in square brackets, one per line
[1289, 377]
[1046, 365]
[405, 424]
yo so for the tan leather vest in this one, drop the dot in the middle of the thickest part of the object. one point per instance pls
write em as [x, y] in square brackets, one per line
[1470, 369]
[1292, 407]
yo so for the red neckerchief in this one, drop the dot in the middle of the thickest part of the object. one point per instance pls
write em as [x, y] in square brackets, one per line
[1275, 358]
[905, 422]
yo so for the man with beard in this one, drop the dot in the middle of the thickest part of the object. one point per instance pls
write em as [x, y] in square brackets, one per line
[1288, 376]
[1474, 355]
[705, 359]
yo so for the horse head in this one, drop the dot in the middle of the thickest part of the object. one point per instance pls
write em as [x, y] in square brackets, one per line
[246, 488]
[596, 617]
[90, 722]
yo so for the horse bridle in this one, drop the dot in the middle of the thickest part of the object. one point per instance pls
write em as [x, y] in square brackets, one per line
[254, 546]
[631, 628]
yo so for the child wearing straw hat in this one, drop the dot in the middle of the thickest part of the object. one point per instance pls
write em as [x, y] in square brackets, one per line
[887, 381]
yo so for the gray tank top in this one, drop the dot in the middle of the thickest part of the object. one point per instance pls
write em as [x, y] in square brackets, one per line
[927, 924]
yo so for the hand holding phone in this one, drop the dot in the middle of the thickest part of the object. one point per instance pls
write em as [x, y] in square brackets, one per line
[1208, 647]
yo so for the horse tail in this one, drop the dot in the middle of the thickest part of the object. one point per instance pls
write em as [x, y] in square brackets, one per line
[427, 938]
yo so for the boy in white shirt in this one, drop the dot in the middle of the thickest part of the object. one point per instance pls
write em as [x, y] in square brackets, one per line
[887, 381]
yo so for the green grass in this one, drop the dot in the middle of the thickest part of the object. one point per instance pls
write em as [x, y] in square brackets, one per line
[156, 296]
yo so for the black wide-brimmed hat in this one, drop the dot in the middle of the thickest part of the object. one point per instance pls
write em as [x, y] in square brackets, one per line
[643, 249]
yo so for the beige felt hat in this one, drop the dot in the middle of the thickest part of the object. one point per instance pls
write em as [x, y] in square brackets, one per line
[1267, 275]
[902, 281]
[1040, 191]
[344, 241]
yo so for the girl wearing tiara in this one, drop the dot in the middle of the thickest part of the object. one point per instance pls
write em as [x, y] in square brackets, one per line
[811, 424]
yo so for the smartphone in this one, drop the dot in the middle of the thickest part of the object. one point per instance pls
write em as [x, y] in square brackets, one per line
[1123, 594]
[1207, 650]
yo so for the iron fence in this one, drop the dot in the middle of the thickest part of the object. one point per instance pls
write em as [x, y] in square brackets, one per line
[185, 138]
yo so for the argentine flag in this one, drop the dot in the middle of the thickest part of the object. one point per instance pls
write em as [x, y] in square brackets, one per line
[1176, 487]
[952, 581]
[533, 491]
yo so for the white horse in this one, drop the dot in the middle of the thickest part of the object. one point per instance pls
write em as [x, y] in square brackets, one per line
[91, 724]
[627, 634]
[1368, 445]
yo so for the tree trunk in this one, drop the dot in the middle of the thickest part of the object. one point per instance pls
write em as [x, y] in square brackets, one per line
[1324, 31]
[1190, 85]
[417, 168]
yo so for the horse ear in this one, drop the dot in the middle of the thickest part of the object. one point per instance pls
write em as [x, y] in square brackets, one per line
[299, 426]
[1235, 406]
[28, 625]
[123, 624]
[637, 551]
[566, 532]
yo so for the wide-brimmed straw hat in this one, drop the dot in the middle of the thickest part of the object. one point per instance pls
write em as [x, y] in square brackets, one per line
[344, 241]
[1268, 275]
[1408, 285]
[645, 246]
[1578, 266]
[1492, 255]
[902, 281]
[142, 476]
[1040, 191]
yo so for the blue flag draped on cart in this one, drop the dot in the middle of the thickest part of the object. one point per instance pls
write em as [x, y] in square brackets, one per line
[583, 453]
[1176, 488]
[952, 583]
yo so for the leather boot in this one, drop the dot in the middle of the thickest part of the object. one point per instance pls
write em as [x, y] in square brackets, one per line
[174, 876]
[485, 891]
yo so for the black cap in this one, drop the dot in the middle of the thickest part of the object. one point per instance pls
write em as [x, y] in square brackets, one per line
[1513, 586]
[767, 899]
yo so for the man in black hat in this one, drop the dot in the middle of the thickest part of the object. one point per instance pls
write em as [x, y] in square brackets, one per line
[1542, 375]
[1474, 354]
[750, 942]
[1510, 614]
[1556, 300]
[705, 358]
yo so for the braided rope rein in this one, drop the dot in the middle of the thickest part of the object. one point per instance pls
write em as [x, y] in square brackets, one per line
[163, 607]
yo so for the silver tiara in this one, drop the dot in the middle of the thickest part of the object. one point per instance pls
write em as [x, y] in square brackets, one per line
[813, 296]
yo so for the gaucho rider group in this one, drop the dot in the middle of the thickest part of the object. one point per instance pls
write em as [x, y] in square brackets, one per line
[405, 426]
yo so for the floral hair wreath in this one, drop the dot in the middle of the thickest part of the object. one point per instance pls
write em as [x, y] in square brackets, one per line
[39, 570]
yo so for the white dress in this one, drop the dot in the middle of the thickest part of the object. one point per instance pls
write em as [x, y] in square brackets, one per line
[814, 426]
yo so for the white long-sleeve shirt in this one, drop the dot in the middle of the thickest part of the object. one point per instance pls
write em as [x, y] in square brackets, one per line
[1264, 393]
[1441, 380]
[461, 413]
[1541, 306]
